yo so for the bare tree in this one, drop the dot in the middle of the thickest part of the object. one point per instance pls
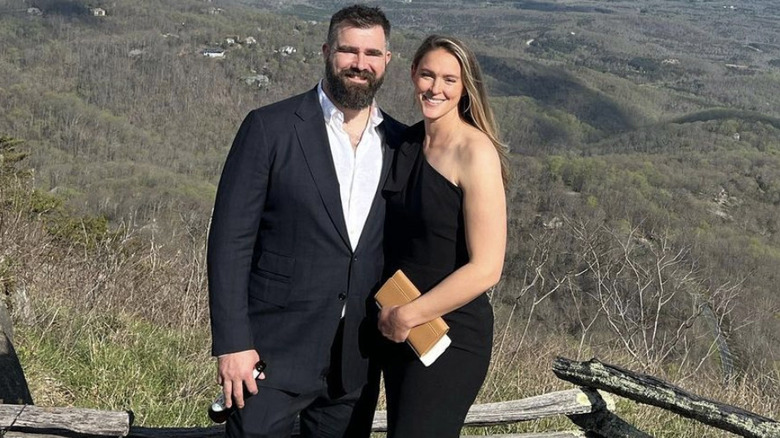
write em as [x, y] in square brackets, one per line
[636, 293]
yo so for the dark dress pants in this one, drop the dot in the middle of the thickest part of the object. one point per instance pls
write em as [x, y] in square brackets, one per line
[271, 413]
[431, 402]
[327, 412]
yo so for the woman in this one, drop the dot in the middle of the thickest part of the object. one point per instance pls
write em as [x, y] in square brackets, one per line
[446, 230]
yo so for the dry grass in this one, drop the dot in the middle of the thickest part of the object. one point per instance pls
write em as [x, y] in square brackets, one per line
[119, 324]
[123, 324]
[522, 368]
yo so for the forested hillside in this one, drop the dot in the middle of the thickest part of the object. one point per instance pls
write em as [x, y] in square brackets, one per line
[645, 203]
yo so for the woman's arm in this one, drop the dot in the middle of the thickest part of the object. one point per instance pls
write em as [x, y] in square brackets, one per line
[484, 211]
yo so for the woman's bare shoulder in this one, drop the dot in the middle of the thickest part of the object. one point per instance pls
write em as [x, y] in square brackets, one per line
[476, 149]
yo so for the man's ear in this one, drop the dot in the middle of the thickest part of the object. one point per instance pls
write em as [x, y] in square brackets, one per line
[388, 57]
[325, 51]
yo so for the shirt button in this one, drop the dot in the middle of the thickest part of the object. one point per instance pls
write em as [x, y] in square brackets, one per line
[342, 296]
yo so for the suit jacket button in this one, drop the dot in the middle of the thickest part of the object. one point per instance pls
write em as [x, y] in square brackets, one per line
[342, 296]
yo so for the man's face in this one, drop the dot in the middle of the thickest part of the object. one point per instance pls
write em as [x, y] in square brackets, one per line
[355, 66]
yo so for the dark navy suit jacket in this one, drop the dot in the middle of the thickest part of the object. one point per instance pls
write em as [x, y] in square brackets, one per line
[280, 265]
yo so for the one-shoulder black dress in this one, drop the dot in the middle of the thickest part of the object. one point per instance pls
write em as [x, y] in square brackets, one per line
[425, 237]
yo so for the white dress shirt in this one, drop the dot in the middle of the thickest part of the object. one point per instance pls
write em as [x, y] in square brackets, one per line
[358, 169]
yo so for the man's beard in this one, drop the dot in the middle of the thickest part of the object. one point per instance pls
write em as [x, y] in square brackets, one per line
[349, 95]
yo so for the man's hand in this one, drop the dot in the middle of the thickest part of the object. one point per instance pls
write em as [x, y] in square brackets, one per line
[234, 372]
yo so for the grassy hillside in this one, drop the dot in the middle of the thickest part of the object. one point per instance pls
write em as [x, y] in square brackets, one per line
[133, 86]
[643, 211]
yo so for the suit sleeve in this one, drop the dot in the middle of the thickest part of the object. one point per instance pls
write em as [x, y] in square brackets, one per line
[234, 229]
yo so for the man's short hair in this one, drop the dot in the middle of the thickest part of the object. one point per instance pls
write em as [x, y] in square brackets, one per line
[359, 16]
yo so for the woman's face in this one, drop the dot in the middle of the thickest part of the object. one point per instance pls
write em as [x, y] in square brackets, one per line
[437, 82]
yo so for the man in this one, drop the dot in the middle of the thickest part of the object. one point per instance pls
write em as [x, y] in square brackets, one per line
[295, 246]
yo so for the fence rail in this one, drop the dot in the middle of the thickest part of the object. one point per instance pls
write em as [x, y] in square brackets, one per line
[590, 408]
[652, 391]
[25, 420]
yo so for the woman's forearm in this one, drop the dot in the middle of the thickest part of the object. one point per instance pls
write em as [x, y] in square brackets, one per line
[458, 289]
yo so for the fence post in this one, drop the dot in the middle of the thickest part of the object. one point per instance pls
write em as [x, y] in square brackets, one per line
[653, 391]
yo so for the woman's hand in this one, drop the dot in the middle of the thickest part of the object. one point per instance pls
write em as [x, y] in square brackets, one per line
[393, 325]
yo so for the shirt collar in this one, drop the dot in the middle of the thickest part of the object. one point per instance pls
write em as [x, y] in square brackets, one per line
[329, 109]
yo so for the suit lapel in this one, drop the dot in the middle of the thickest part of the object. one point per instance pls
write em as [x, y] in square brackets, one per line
[392, 132]
[392, 139]
[313, 139]
[404, 159]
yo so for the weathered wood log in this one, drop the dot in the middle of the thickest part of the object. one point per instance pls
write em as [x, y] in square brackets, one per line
[64, 421]
[572, 401]
[219, 432]
[607, 424]
[39, 435]
[13, 385]
[569, 402]
[59, 420]
[602, 422]
[650, 390]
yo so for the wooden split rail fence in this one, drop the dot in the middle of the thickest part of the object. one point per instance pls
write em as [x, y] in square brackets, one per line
[590, 408]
